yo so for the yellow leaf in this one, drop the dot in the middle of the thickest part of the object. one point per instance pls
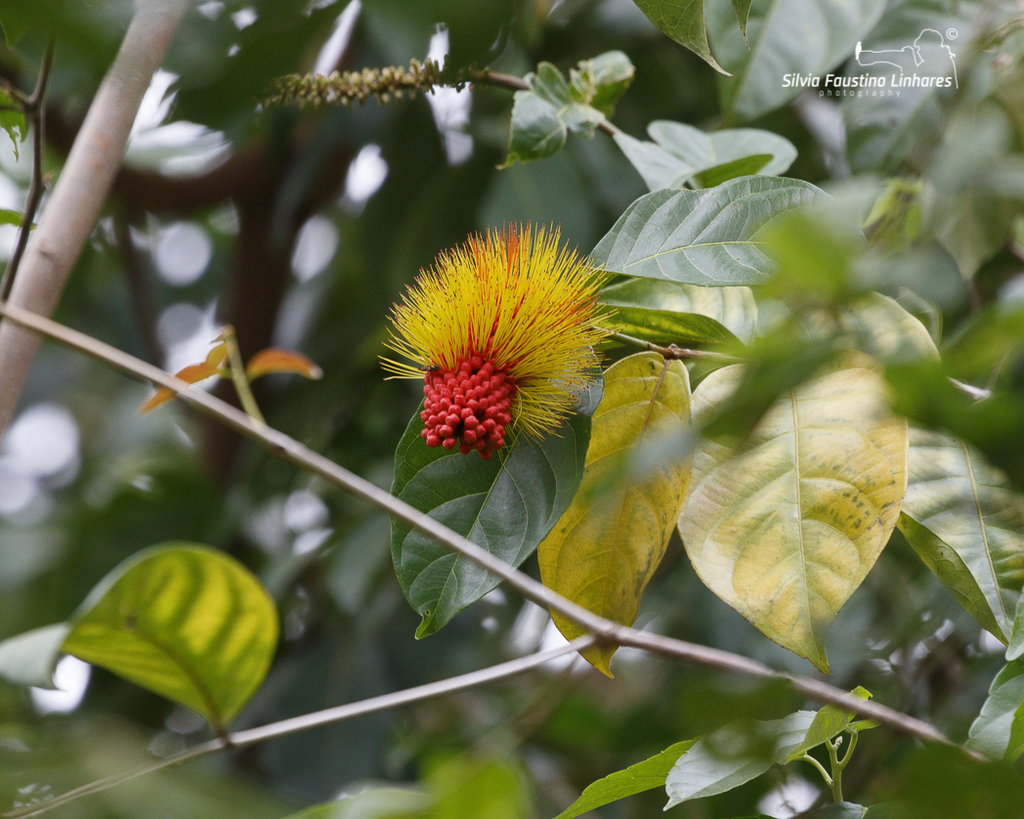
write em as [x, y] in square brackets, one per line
[281, 361]
[193, 374]
[605, 548]
[787, 529]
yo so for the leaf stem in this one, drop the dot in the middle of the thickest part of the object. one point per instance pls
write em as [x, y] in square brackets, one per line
[819, 766]
[837, 768]
[670, 352]
[239, 378]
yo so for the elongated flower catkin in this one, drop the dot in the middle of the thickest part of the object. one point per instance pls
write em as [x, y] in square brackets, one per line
[502, 331]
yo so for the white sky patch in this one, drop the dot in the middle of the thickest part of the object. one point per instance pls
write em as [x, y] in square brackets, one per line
[793, 796]
[43, 441]
[304, 510]
[178, 148]
[182, 253]
[365, 175]
[186, 333]
[243, 18]
[72, 679]
[315, 247]
[337, 43]
[451, 108]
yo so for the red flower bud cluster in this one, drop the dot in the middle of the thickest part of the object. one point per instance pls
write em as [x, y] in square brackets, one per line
[469, 407]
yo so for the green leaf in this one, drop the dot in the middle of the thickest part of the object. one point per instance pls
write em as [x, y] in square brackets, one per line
[668, 327]
[1015, 648]
[970, 527]
[12, 120]
[840, 810]
[684, 22]
[998, 732]
[543, 116]
[732, 307]
[784, 37]
[600, 81]
[679, 151]
[742, 9]
[10, 217]
[29, 658]
[702, 237]
[185, 621]
[704, 150]
[603, 551]
[785, 530]
[734, 755]
[507, 506]
[643, 776]
[376, 803]
[746, 166]
[658, 167]
[828, 723]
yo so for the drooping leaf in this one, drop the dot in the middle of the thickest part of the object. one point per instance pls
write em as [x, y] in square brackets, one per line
[998, 732]
[1015, 648]
[732, 307]
[784, 37]
[745, 166]
[968, 507]
[192, 374]
[272, 360]
[707, 237]
[185, 621]
[603, 551]
[828, 723]
[708, 149]
[785, 530]
[734, 755]
[643, 776]
[505, 505]
[684, 22]
[10, 217]
[30, 658]
[601, 80]
[742, 9]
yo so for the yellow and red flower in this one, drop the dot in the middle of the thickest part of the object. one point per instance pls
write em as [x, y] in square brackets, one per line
[502, 331]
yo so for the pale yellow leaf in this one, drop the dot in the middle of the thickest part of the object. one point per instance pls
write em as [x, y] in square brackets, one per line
[787, 529]
[605, 548]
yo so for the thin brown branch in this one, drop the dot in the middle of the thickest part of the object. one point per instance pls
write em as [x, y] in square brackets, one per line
[605, 631]
[35, 115]
[328, 716]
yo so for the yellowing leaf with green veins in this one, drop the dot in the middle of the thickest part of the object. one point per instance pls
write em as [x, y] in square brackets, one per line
[185, 621]
[966, 523]
[605, 548]
[785, 530]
